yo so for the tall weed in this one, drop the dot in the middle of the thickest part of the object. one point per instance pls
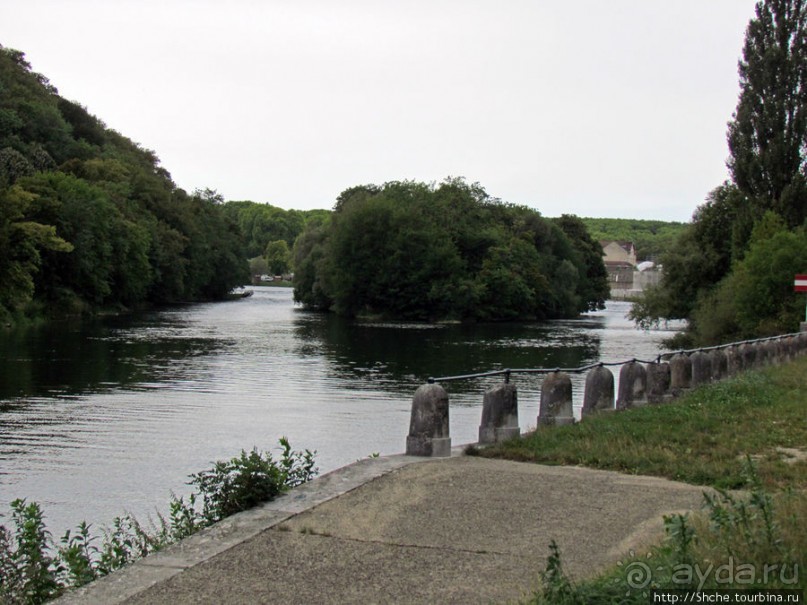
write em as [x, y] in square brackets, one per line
[35, 569]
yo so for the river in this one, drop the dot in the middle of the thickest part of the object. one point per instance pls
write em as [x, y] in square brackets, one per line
[112, 415]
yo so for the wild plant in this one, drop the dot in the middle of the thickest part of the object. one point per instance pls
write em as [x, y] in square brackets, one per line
[33, 569]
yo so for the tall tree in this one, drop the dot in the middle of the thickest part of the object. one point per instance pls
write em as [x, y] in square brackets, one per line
[768, 135]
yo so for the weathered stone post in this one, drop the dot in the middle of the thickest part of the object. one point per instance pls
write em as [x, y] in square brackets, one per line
[632, 385]
[658, 381]
[701, 368]
[499, 414]
[720, 365]
[599, 392]
[790, 348]
[428, 429]
[762, 354]
[749, 356]
[773, 352]
[781, 350]
[556, 400]
[734, 356]
[680, 373]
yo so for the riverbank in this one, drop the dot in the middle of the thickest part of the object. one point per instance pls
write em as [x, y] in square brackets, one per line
[400, 529]
[467, 529]
[747, 433]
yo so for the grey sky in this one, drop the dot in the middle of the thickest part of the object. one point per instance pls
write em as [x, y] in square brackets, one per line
[611, 108]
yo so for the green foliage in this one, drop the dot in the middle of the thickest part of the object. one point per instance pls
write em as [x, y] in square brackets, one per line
[425, 252]
[652, 239]
[278, 257]
[261, 224]
[757, 298]
[249, 479]
[768, 135]
[708, 278]
[33, 569]
[92, 219]
[22, 242]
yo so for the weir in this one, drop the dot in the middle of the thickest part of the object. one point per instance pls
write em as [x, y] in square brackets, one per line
[641, 382]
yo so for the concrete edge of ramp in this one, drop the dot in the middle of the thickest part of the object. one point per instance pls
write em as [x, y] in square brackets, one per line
[364, 521]
[128, 581]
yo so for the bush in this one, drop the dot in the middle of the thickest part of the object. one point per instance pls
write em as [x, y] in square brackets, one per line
[33, 569]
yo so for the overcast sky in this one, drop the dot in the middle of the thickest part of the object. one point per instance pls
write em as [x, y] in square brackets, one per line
[614, 108]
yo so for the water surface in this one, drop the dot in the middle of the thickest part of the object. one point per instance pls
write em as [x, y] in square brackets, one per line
[102, 417]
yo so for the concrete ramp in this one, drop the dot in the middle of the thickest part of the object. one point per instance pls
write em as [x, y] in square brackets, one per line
[404, 530]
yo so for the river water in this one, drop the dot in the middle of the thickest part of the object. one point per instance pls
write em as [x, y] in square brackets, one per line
[102, 417]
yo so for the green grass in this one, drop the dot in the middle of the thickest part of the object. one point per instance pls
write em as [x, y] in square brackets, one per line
[702, 438]
[727, 436]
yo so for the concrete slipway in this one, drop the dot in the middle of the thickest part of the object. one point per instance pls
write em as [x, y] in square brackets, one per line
[400, 529]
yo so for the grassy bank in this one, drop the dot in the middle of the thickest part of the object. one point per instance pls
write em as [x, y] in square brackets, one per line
[748, 433]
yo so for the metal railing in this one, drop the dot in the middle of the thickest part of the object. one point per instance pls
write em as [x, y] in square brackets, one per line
[510, 371]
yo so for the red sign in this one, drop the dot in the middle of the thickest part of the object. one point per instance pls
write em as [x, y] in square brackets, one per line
[800, 285]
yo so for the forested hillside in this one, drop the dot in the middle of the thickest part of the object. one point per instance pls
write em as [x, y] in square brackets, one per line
[89, 219]
[652, 239]
[269, 232]
[417, 251]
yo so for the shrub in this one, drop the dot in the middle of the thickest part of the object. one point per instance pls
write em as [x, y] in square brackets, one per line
[33, 569]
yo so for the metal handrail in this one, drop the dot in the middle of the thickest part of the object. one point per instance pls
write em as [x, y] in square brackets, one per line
[509, 371]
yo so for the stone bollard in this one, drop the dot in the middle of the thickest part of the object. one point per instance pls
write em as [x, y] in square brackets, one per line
[734, 357]
[599, 392]
[801, 342]
[556, 400]
[701, 368]
[781, 350]
[720, 364]
[680, 373]
[762, 354]
[749, 356]
[499, 414]
[790, 348]
[632, 385]
[428, 429]
[658, 381]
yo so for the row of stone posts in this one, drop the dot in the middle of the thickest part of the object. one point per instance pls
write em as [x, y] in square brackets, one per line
[640, 383]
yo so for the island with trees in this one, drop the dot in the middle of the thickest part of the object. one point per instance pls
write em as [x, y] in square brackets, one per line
[446, 251]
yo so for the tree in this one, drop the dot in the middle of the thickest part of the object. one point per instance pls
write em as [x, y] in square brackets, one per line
[69, 184]
[768, 134]
[419, 251]
[21, 243]
[278, 257]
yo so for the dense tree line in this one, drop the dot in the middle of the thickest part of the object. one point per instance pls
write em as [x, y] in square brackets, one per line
[418, 251]
[731, 272]
[653, 239]
[269, 232]
[89, 219]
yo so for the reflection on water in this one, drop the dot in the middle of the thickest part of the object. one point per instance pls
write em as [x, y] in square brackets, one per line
[111, 415]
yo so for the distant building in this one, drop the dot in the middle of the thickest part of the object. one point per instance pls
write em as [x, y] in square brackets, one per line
[626, 278]
[619, 252]
[620, 262]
